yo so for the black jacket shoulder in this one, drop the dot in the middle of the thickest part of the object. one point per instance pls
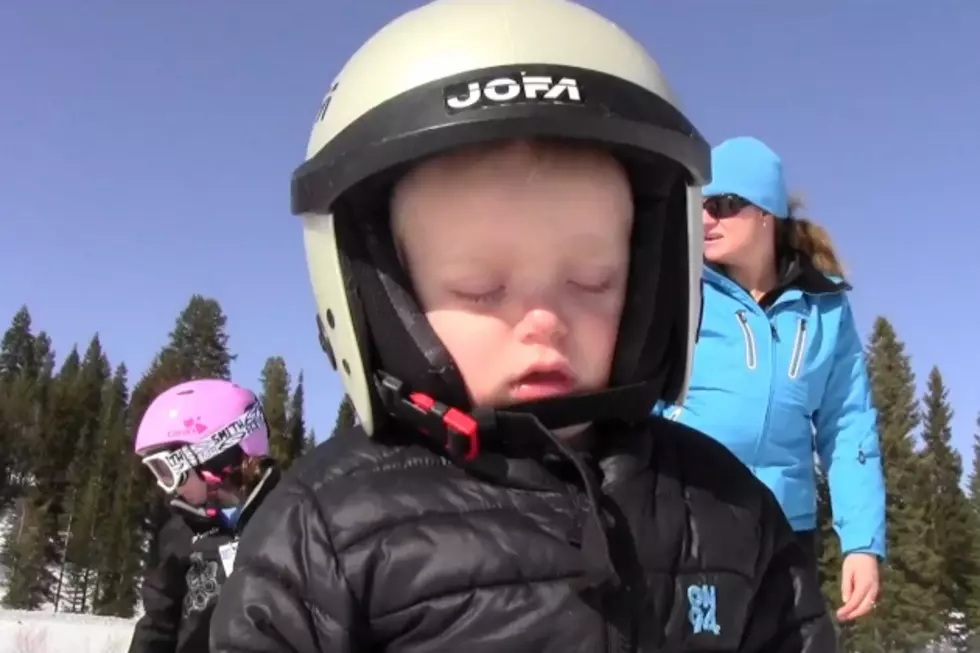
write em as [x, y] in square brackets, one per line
[162, 591]
[383, 544]
[180, 592]
[706, 466]
[175, 536]
[350, 452]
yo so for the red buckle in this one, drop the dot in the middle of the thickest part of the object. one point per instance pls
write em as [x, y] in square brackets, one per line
[459, 426]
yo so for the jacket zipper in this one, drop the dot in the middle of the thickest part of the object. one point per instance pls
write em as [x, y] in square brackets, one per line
[799, 346]
[773, 339]
[751, 354]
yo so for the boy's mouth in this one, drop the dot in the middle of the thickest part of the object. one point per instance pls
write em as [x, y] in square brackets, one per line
[544, 381]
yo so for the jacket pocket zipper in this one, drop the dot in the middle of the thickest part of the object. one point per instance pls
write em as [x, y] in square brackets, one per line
[751, 355]
[799, 347]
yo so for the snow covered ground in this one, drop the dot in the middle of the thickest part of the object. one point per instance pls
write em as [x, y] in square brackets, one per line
[48, 632]
[45, 631]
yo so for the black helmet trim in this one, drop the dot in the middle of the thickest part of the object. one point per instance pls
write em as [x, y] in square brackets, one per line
[548, 102]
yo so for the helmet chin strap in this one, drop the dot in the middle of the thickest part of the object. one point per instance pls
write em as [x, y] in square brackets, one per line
[466, 434]
[523, 428]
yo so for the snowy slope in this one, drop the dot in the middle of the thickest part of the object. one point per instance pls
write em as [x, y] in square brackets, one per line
[46, 632]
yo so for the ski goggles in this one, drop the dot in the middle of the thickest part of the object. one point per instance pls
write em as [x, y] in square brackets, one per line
[171, 467]
[720, 207]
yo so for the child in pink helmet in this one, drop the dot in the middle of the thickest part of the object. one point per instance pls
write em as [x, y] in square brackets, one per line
[207, 444]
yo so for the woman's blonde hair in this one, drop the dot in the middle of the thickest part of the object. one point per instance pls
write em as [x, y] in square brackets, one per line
[808, 238]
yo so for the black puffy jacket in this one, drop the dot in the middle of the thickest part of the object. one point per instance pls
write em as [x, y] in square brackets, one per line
[663, 541]
[180, 592]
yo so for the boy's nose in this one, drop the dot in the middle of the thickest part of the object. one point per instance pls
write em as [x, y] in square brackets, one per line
[541, 326]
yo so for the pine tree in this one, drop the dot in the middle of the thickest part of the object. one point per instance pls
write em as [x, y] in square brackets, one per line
[830, 554]
[88, 536]
[44, 356]
[38, 546]
[118, 554]
[275, 395]
[120, 573]
[17, 353]
[346, 416]
[973, 600]
[906, 616]
[948, 508]
[109, 469]
[199, 341]
[28, 363]
[310, 443]
[90, 385]
[9, 440]
[25, 373]
[296, 428]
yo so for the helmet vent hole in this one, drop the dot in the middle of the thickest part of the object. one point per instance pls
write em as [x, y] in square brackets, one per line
[345, 366]
[185, 392]
[330, 320]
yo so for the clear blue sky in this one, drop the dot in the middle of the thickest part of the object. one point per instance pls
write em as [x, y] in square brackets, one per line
[146, 150]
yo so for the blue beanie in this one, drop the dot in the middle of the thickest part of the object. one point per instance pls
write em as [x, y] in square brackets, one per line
[747, 167]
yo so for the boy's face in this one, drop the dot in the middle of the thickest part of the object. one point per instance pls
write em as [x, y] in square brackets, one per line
[519, 256]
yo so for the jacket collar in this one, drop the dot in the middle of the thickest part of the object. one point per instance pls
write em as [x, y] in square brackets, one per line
[796, 273]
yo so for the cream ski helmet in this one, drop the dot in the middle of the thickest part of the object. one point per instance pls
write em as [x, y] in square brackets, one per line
[455, 73]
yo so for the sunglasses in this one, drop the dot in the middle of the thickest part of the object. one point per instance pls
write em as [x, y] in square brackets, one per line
[725, 206]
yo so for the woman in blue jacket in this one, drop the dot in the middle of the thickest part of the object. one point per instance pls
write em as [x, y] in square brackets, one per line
[779, 370]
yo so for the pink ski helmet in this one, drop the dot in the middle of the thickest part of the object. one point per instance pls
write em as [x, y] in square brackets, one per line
[197, 424]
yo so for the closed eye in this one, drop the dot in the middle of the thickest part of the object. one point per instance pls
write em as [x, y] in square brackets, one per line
[593, 288]
[480, 297]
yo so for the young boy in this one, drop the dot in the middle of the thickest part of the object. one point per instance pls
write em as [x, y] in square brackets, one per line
[504, 236]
